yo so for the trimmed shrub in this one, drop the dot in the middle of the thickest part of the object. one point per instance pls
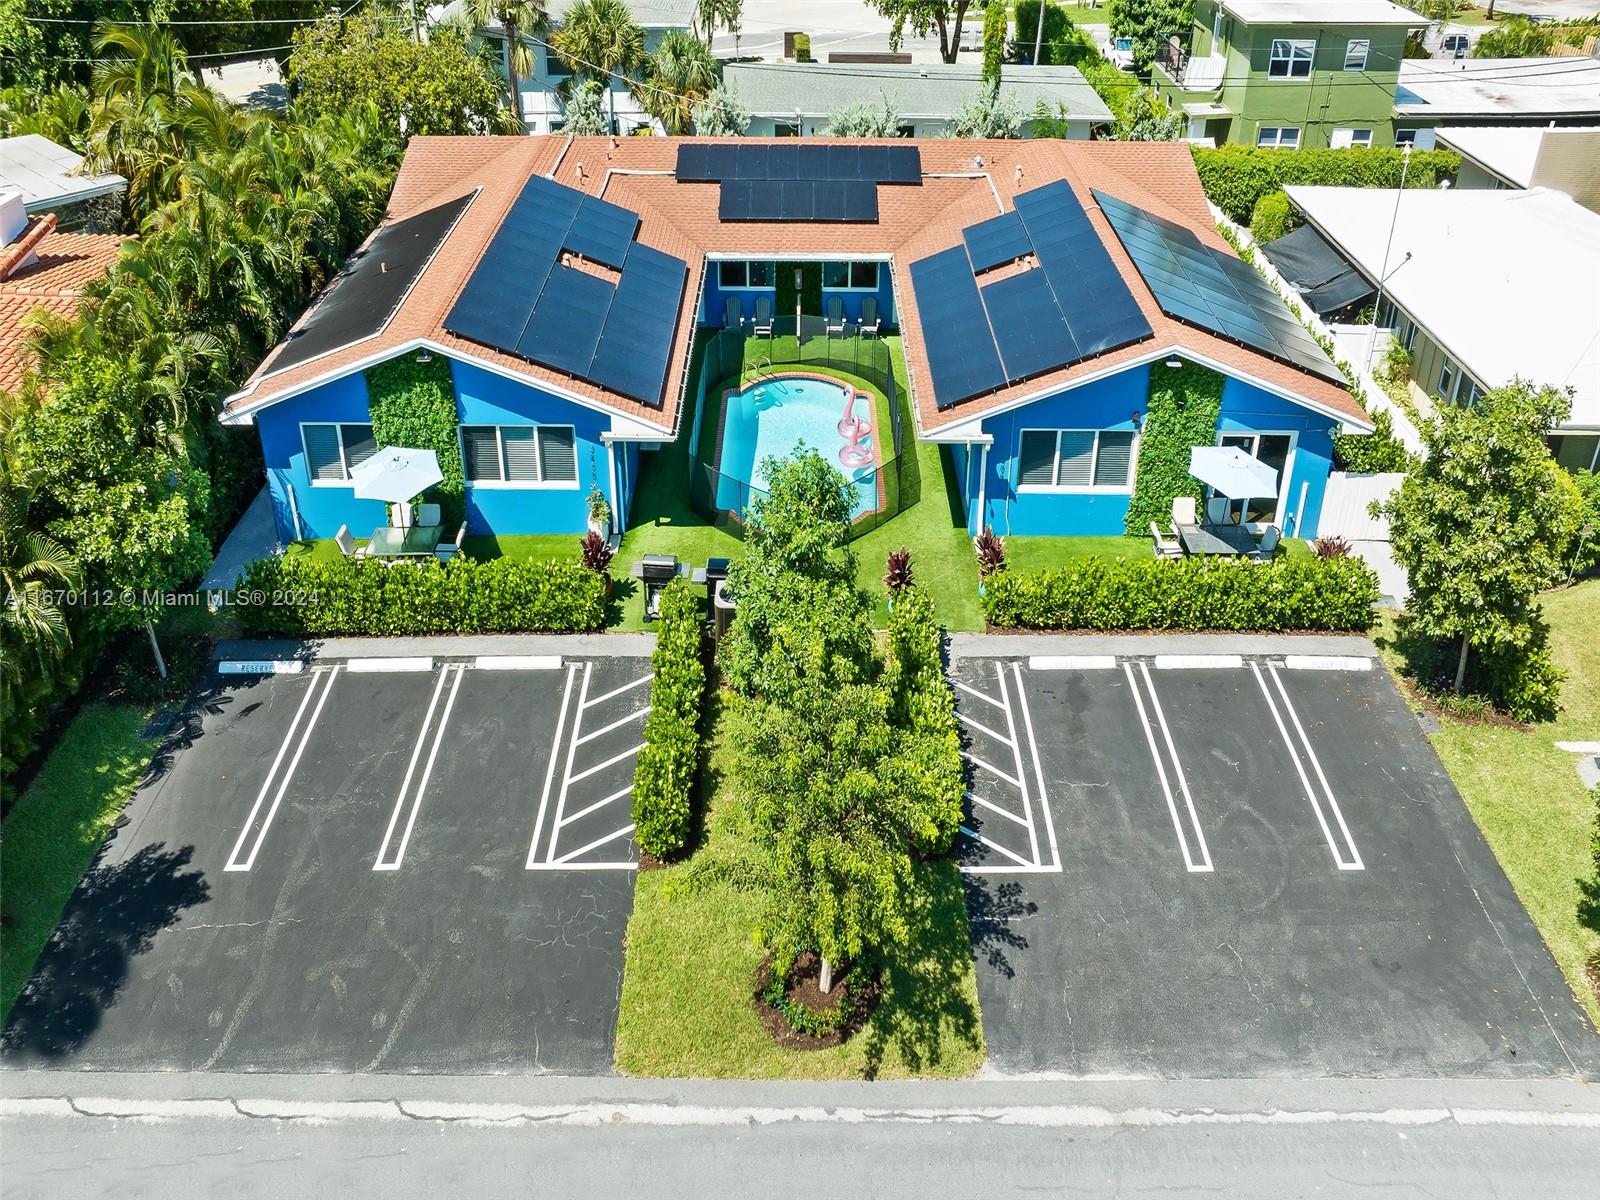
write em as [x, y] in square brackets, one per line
[1181, 414]
[1192, 593]
[922, 703]
[664, 776]
[1373, 452]
[1272, 217]
[1235, 178]
[299, 596]
[1584, 555]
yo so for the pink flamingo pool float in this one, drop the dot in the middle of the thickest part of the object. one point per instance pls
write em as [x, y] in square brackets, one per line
[853, 429]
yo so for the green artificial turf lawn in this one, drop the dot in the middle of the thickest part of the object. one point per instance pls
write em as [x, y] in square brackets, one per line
[58, 825]
[1526, 795]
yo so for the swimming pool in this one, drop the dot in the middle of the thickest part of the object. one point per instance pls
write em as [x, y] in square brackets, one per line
[775, 414]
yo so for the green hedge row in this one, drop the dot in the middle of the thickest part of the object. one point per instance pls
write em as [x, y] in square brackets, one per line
[306, 597]
[664, 776]
[1236, 177]
[922, 702]
[1192, 593]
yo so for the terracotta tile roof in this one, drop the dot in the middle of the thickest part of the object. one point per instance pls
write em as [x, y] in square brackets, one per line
[963, 183]
[63, 265]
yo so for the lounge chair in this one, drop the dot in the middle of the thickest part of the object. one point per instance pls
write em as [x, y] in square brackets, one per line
[1268, 545]
[1217, 510]
[1183, 510]
[347, 544]
[428, 516]
[835, 316]
[445, 551]
[763, 322]
[1166, 545]
[733, 314]
[870, 321]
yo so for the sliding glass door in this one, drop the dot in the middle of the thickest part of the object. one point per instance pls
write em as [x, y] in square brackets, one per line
[1274, 449]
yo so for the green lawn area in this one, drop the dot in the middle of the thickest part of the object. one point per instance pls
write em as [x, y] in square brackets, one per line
[58, 825]
[690, 972]
[1526, 796]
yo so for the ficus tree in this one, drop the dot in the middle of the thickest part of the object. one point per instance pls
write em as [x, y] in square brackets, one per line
[1149, 23]
[923, 17]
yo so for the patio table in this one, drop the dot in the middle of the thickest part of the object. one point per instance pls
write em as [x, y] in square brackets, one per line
[1217, 540]
[390, 541]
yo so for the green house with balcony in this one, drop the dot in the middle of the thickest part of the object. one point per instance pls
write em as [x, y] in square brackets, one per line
[1288, 73]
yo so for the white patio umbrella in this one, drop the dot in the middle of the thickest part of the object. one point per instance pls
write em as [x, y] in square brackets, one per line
[396, 474]
[1230, 472]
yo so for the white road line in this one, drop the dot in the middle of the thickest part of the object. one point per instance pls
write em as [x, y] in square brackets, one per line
[272, 772]
[411, 770]
[1198, 662]
[614, 726]
[1177, 769]
[1016, 858]
[233, 863]
[991, 768]
[995, 808]
[1294, 757]
[984, 696]
[261, 666]
[1326, 662]
[550, 771]
[1161, 770]
[1073, 662]
[596, 844]
[983, 729]
[427, 773]
[1038, 769]
[579, 815]
[373, 666]
[610, 762]
[1353, 861]
[518, 662]
[566, 770]
[615, 692]
[1022, 772]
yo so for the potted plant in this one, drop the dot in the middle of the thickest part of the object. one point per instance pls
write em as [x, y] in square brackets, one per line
[599, 511]
[597, 553]
[897, 573]
[991, 553]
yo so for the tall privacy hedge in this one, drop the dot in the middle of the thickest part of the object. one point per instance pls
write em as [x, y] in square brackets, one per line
[1182, 413]
[1284, 595]
[921, 702]
[664, 776]
[414, 405]
[1235, 177]
[305, 597]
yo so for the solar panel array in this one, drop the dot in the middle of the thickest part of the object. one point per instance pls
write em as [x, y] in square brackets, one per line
[524, 300]
[1213, 290]
[798, 181]
[1072, 305]
[364, 297]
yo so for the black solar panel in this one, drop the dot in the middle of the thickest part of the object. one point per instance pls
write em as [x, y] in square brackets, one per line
[797, 200]
[363, 298]
[997, 240]
[1211, 289]
[1027, 325]
[602, 232]
[962, 358]
[565, 327]
[636, 343]
[699, 162]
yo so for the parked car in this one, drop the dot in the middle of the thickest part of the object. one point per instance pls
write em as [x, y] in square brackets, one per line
[1455, 45]
[1118, 52]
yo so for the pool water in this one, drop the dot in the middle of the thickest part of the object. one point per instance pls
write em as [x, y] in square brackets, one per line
[776, 414]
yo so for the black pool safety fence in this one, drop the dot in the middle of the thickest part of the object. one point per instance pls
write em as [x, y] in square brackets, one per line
[733, 358]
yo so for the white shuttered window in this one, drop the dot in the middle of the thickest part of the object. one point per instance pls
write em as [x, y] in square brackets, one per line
[1078, 460]
[519, 454]
[332, 450]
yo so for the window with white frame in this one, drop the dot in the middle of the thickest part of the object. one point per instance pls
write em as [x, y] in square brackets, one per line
[742, 274]
[332, 450]
[1278, 137]
[1291, 58]
[1355, 54]
[526, 455]
[1076, 460]
[1405, 137]
[1345, 139]
[857, 276]
[1447, 381]
[1468, 393]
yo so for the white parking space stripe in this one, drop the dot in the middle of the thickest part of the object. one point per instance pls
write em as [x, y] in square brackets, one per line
[995, 808]
[1177, 768]
[411, 770]
[615, 692]
[1198, 662]
[1161, 772]
[1016, 858]
[598, 804]
[1073, 662]
[596, 844]
[374, 666]
[572, 750]
[991, 768]
[1016, 756]
[983, 729]
[614, 726]
[1352, 860]
[518, 662]
[234, 862]
[415, 804]
[1327, 662]
[610, 762]
[550, 771]
[976, 694]
[1038, 770]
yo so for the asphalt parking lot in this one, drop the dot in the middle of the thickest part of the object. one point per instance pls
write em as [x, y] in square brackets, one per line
[1220, 866]
[403, 865]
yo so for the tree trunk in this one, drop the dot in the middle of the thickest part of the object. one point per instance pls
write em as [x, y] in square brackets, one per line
[155, 649]
[826, 980]
[611, 103]
[1461, 665]
[1489, 12]
[511, 74]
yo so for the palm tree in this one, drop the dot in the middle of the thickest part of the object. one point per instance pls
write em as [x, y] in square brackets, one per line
[516, 17]
[708, 14]
[599, 39]
[33, 569]
[679, 75]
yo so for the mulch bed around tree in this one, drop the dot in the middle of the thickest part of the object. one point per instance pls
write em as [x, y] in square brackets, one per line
[805, 989]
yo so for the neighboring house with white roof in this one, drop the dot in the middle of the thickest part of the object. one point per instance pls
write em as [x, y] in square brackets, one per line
[795, 99]
[1439, 93]
[50, 179]
[1482, 287]
[1520, 156]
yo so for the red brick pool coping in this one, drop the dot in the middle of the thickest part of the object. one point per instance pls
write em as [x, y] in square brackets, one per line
[877, 452]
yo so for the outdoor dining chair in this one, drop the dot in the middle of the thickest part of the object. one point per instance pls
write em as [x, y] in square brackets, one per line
[1166, 545]
[1217, 510]
[733, 314]
[835, 316]
[428, 515]
[1268, 545]
[1183, 510]
[445, 551]
[347, 544]
[870, 321]
[763, 321]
